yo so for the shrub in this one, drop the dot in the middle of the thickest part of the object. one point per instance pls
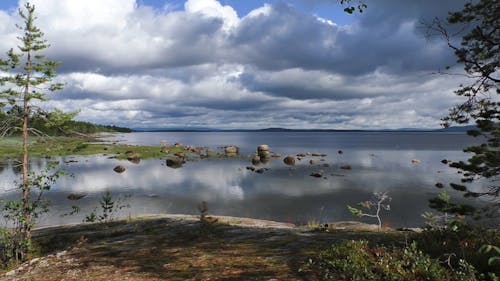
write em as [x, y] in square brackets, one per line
[461, 241]
[356, 260]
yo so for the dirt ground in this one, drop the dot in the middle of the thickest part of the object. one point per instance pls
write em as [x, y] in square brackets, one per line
[182, 248]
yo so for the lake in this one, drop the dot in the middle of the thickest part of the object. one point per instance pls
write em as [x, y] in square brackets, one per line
[380, 161]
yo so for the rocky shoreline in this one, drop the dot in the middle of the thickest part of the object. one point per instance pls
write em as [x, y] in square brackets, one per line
[181, 247]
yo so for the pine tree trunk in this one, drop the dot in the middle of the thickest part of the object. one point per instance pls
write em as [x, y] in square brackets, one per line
[26, 226]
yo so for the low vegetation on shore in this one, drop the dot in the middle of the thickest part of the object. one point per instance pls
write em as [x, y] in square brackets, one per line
[59, 146]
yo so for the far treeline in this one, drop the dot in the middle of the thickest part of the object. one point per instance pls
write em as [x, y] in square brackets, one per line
[55, 123]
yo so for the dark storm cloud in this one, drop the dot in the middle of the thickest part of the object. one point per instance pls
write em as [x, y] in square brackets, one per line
[286, 38]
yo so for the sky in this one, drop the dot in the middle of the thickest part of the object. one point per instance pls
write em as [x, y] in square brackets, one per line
[246, 64]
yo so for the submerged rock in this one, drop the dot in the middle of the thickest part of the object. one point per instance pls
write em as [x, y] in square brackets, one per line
[261, 170]
[76, 196]
[119, 169]
[316, 175]
[346, 167]
[415, 161]
[251, 168]
[289, 160]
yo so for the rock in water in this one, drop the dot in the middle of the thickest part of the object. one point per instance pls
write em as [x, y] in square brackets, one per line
[255, 159]
[231, 149]
[289, 160]
[313, 162]
[346, 167]
[175, 162]
[119, 169]
[261, 170]
[263, 147]
[134, 158]
[76, 196]
[264, 155]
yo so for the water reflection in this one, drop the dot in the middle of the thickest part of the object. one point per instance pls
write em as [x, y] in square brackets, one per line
[281, 193]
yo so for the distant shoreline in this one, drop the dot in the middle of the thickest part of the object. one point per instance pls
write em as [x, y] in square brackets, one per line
[462, 129]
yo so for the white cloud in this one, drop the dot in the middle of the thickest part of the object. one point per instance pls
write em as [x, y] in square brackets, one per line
[212, 8]
[132, 65]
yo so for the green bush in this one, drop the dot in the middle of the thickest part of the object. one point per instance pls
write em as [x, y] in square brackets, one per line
[9, 247]
[462, 243]
[356, 260]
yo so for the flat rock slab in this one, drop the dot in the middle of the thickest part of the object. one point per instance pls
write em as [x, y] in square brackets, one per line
[179, 247]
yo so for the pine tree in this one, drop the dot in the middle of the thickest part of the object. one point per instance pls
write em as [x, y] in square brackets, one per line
[29, 77]
[479, 53]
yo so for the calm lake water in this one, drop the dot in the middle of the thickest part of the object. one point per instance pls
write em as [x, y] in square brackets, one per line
[381, 162]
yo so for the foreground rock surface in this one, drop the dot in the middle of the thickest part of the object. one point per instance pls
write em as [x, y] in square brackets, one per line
[179, 248]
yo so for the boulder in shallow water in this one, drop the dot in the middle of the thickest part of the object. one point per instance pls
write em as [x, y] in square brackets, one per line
[134, 158]
[231, 149]
[255, 159]
[346, 167]
[313, 162]
[289, 160]
[263, 147]
[175, 162]
[119, 169]
[264, 155]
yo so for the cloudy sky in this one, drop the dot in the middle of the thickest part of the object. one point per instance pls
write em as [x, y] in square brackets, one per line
[245, 63]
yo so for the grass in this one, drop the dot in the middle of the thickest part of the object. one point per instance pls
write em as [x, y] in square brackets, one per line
[59, 146]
